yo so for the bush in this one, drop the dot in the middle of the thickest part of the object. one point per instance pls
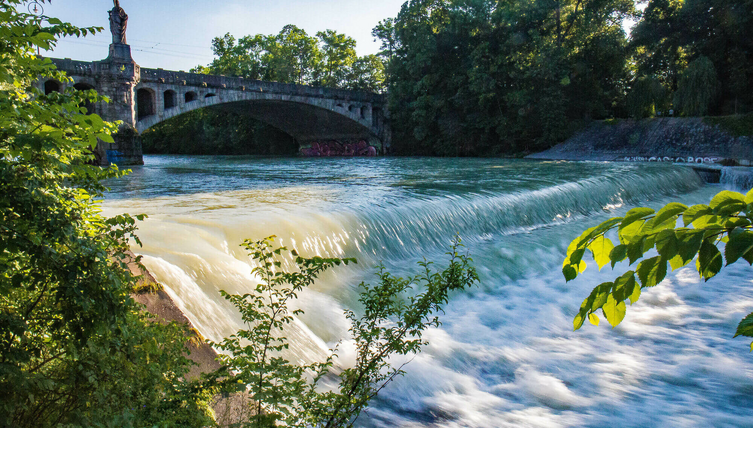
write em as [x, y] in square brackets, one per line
[75, 350]
[285, 394]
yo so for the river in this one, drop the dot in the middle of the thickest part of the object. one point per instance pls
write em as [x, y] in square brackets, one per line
[506, 354]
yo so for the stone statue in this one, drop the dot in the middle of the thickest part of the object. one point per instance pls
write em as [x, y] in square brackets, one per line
[118, 23]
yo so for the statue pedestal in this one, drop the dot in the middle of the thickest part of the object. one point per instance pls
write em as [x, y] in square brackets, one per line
[120, 53]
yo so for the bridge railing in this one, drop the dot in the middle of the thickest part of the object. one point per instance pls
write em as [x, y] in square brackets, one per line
[222, 82]
[93, 68]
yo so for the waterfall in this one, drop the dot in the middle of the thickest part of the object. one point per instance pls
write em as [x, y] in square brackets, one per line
[737, 178]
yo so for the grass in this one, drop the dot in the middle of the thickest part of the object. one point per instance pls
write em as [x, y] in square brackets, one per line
[738, 126]
[147, 288]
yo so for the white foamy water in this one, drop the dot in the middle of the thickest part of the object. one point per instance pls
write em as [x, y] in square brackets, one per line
[506, 354]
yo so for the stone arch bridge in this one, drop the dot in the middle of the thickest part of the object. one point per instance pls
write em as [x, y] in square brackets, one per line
[142, 98]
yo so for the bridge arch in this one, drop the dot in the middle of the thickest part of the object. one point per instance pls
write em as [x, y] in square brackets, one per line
[83, 86]
[145, 103]
[170, 99]
[51, 86]
[307, 118]
[143, 97]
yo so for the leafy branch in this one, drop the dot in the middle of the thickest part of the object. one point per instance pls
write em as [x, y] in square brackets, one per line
[727, 219]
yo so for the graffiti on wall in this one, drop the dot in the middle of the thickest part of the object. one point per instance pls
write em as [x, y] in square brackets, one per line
[337, 148]
[678, 159]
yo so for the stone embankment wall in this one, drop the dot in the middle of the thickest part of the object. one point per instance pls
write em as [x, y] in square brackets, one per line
[229, 410]
[666, 140]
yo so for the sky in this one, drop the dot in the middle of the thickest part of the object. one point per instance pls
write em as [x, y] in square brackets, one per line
[177, 34]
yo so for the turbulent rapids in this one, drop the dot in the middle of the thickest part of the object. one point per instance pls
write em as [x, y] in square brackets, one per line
[506, 354]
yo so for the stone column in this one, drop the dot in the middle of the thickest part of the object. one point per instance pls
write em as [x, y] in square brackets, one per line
[119, 75]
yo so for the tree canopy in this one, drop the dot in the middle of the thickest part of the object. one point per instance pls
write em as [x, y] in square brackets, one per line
[292, 56]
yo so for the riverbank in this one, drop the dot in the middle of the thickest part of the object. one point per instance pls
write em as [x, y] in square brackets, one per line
[688, 140]
[152, 295]
[228, 410]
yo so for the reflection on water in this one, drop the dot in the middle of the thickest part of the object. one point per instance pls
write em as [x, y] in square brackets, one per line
[506, 354]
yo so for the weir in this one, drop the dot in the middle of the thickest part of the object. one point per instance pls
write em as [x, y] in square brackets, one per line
[506, 354]
[141, 98]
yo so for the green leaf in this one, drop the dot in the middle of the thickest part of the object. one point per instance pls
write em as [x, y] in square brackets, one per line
[601, 248]
[634, 215]
[709, 260]
[666, 244]
[635, 251]
[726, 197]
[749, 197]
[578, 321]
[632, 233]
[652, 271]
[614, 311]
[669, 213]
[594, 319]
[677, 262]
[688, 243]
[636, 294]
[624, 286]
[708, 221]
[105, 138]
[745, 327]
[694, 212]
[619, 253]
[598, 296]
[740, 245]
[730, 207]
[570, 272]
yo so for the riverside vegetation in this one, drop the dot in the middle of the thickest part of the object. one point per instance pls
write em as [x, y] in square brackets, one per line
[76, 350]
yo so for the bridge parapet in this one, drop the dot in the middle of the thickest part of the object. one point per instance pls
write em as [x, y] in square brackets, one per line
[242, 84]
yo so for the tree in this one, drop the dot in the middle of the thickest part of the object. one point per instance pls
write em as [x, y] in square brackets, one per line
[646, 95]
[292, 56]
[366, 74]
[469, 77]
[74, 348]
[671, 33]
[727, 219]
[697, 88]
[338, 54]
[390, 325]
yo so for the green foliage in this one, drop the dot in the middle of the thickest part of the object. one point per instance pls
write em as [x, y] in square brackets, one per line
[727, 219]
[697, 88]
[737, 126]
[671, 33]
[287, 394]
[292, 56]
[646, 95]
[469, 77]
[74, 348]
